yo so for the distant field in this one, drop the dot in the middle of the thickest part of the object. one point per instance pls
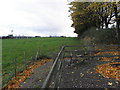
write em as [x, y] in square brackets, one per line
[16, 47]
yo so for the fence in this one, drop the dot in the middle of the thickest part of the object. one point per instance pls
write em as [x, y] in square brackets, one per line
[53, 79]
[18, 66]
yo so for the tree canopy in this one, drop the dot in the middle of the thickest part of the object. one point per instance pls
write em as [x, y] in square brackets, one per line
[95, 14]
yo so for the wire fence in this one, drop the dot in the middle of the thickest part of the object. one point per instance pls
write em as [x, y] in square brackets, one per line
[20, 65]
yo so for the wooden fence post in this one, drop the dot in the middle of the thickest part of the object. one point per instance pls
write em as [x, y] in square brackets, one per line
[32, 60]
[25, 60]
[54, 56]
[15, 67]
[36, 56]
[38, 53]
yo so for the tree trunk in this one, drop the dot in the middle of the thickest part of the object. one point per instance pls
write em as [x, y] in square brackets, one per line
[102, 18]
[102, 22]
[106, 23]
[117, 23]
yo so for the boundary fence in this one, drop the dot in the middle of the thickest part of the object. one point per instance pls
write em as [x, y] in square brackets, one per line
[18, 67]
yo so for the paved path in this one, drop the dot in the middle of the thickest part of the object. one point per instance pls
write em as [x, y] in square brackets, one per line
[79, 75]
[83, 75]
[36, 79]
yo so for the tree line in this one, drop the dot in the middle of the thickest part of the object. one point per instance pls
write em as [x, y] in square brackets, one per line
[95, 14]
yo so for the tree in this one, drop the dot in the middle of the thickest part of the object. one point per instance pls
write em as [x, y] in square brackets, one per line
[94, 14]
[117, 19]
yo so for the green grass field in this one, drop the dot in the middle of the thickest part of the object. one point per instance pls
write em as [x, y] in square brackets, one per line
[15, 48]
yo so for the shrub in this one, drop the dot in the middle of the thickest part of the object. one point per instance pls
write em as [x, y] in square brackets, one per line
[101, 36]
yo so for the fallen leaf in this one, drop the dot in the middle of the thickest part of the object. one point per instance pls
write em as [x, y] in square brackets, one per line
[98, 80]
[109, 83]
[72, 72]
[81, 74]
[91, 72]
[108, 71]
[96, 85]
[21, 76]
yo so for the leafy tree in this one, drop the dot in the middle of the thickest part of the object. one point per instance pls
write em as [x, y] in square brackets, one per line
[94, 14]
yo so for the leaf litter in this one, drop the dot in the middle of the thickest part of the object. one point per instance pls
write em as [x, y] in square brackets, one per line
[21, 76]
[109, 70]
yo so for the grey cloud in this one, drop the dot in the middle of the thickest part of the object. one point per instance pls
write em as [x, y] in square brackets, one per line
[48, 17]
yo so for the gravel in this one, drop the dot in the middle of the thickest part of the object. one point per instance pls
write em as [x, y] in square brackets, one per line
[36, 79]
[83, 75]
[75, 75]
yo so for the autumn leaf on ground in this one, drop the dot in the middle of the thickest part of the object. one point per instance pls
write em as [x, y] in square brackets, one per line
[109, 83]
[21, 76]
[72, 72]
[108, 71]
[81, 74]
[105, 58]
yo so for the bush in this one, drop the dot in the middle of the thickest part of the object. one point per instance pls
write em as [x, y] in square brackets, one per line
[101, 36]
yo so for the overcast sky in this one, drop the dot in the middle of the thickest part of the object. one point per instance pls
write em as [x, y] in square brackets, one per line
[35, 17]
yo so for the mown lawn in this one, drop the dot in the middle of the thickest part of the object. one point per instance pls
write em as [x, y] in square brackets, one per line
[12, 48]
